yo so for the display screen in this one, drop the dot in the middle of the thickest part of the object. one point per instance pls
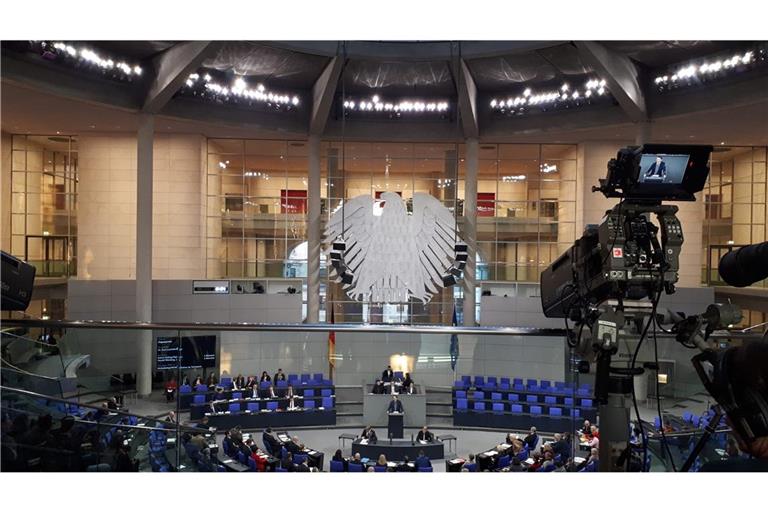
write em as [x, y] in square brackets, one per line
[662, 168]
[196, 352]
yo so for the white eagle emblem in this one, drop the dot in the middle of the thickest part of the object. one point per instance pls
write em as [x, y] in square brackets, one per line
[394, 254]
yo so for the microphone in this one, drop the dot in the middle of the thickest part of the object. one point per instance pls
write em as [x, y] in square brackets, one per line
[745, 266]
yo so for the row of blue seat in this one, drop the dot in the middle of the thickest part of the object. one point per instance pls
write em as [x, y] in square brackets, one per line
[236, 407]
[338, 467]
[517, 384]
[463, 405]
[239, 395]
[281, 384]
[529, 398]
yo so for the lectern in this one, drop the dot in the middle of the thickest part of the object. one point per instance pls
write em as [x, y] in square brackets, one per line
[395, 425]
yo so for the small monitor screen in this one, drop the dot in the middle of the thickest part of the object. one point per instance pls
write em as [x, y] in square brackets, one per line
[196, 352]
[662, 168]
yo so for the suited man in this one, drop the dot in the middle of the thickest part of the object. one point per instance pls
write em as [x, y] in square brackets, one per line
[293, 445]
[279, 375]
[425, 435]
[422, 461]
[369, 434]
[378, 388]
[395, 405]
[532, 439]
[387, 375]
[657, 171]
[271, 444]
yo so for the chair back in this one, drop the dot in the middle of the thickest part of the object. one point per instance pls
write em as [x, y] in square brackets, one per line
[495, 396]
[234, 407]
[498, 407]
[299, 458]
[309, 404]
[271, 406]
[318, 377]
[460, 393]
[516, 408]
[337, 466]
[478, 395]
[237, 395]
[504, 461]
[532, 399]
[479, 406]
[461, 404]
[253, 407]
[198, 399]
[186, 388]
[380, 469]
[325, 392]
[535, 409]
[555, 411]
[327, 402]
[427, 469]
[355, 468]
[309, 392]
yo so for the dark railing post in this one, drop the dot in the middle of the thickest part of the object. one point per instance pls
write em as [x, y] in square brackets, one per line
[178, 402]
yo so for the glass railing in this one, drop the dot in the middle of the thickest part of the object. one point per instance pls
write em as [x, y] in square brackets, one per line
[671, 451]
[49, 434]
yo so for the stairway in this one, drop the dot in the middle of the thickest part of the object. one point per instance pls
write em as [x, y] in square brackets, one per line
[349, 405]
[439, 407]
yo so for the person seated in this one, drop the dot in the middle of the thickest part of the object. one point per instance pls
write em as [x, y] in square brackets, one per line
[292, 405]
[289, 393]
[404, 466]
[287, 463]
[171, 418]
[422, 461]
[594, 440]
[586, 431]
[395, 405]
[592, 463]
[378, 388]
[251, 382]
[425, 435]
[387, 375]
[594, 431]
[239, 382]
[382, 461]
[516, 465]
[510, 439]
[198, 381]
[531, 441]
[211, 382]
[185, 381]
[470, 460]
[356, 459]
[228, 445]
[338, 457]
[303, 467]
[369, 434]
[170, 390]
[271, 392]
[265, 377]
[255, 392]
[279, 375]
[408, 386]
[219, 395]
[560, 447]
[293, 445]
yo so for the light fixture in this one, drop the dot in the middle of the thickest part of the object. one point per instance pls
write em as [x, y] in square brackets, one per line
[396, 108]
[239, 91]
[52, 50]
[513, 179]
[563, 97]
[713, 68]
[548, 168]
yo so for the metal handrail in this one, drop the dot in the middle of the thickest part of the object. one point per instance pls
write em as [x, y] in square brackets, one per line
[323, 327]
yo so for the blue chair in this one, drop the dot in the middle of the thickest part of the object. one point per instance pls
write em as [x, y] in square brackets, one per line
[201, 388]
[234, 407]
[555, 411]
[264, 385]
[309, 404]
[545, 385]
[337, 466]
[492, 381]
[559, 385]
[271, 406]
[504, 461]
[523, 453]
[461, 394]
[576, 413]
[281, 470]
[687, 415]
[478, 395]
[495, 396]
[425, 469]
[318, 377]
[504, 386]
[462, 404]
[292, 377]
[379, 469]
[586, 402]
[325, 392]
[695, 421]
[399, 376]
[550, 400]
[281, 384]
[237, 395]
[186, 388]
[583, 392]
[459, 384]
[498, 407]
[355, 468]
[242, 459]
[198, 399]
[536, 409]
[299, 458]
[467, 380]
[253, 407]
[516, 409]
[305, 378]
[504, 380]
[225, 382]
[252, 465]
[518, 387]
[479, 406]
[472, 467]
[327, 402]
[309, 392]
[517, 381]
[479, 381]
[532, 399]
[513, 397]
[531, 383]
[568, 401]
[283, 452]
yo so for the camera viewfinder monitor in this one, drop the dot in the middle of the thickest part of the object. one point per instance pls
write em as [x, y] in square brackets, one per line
[661, 168]
[668, 172]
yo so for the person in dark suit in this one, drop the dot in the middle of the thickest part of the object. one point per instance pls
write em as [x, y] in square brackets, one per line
[387, 375]
[293, 445]
[265, 377]
[211, 382]
[425, 435]
[657, 171]
[239, 382]
[395, 405]
[303, 467]
[369, 434]
[271, 444]
[408, 385]
[279, 375]
[251, 382]
[378, 388]
[422, 461]
[532, 439]
[338, 457]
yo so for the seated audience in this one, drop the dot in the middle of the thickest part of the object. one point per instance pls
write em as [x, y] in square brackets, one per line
[378, 388]
[470, 460]
[211, 382]
[251, 382]
[338, 457]
[531, 441]
[270, 393]
[170, 390]
[239, 381]
[271, 444]
[265, 377]
[198, 381]
[279, 375]
[422, 461]
[382, 461]
[515, 465]
[293, 445]
[408, 386]
[369, 434]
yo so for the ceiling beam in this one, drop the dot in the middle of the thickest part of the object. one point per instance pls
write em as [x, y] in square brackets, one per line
[621, 76]
[172, 67]
[323, 92]
[467, 93]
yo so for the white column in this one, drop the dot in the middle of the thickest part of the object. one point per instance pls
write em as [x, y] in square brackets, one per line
[313, 231]
[144, 155]
[470, 229]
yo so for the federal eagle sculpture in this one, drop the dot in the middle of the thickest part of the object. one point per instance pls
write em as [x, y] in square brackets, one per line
[391, 255]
